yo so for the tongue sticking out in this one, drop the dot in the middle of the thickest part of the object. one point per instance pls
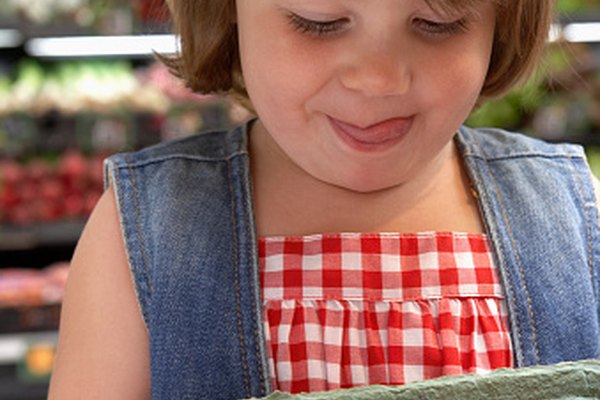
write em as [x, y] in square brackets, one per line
[377, 135]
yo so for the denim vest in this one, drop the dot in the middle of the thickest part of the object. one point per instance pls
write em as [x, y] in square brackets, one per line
[186, 215]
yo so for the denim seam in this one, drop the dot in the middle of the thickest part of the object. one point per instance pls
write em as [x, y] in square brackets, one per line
[254, 271]
[255, 306]
[519, 264]
[510, 286]
[138, 226]
[588, 228]
[524, 155]
[510, 289]
[120, 202]
[158, 160]
[521, 273]
[238, 299]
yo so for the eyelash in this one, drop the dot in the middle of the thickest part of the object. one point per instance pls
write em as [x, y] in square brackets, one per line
[316, 28]
[327, 28]
[442, 28]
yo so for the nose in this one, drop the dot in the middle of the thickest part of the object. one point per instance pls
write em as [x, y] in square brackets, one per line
[377, 71]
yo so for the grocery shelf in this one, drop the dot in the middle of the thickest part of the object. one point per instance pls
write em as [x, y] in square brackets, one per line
[40, 235]
[15, 383]
[13, 347]
[101, 46]
[13, 389]
[69, 28]
[30, 318]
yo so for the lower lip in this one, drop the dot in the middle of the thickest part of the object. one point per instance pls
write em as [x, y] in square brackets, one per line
[375, 138]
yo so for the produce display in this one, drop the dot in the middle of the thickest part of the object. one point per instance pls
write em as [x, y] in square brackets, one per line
[59, 120]
[44, 11]
[20, 287]
[51, 114]
[93, 14]
[30, 298]
[78, 86]
[42, 191]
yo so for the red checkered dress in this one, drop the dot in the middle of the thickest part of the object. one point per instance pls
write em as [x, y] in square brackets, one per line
[353, 309]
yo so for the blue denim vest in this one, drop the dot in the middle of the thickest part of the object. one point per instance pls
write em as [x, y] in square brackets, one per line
[187, 220]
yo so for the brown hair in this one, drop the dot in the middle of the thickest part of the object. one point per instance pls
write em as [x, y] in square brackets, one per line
[209, 62]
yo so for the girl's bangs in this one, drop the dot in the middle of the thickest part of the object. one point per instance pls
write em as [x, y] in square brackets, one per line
[451, 7]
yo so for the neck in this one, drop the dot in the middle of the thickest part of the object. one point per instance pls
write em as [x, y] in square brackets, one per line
[289, 201]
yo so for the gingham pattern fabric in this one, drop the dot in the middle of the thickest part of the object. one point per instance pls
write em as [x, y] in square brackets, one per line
[351, 309]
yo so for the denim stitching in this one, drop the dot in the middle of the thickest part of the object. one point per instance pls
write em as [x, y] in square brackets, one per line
[510, 288]
[138, 226]
[119, 196]
[160, 159]
[238, 299]
[255, 307]
[587, 222]
[536, 155]
[521, 271]
[253, 251]
[254, 280]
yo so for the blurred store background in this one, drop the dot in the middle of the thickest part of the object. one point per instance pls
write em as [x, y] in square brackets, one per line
[70, 95]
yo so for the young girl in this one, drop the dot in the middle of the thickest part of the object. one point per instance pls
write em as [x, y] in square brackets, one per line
[355, 233]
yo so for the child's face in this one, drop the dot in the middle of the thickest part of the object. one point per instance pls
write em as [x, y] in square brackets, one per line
[317, 71]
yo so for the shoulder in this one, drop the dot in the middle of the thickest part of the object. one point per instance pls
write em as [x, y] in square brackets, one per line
[493, 144]
[216, 145]
[103, 342]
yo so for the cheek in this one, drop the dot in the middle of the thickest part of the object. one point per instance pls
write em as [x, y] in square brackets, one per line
[457, 85]
[274, 62]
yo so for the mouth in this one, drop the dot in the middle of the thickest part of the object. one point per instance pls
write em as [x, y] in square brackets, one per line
[373, 138]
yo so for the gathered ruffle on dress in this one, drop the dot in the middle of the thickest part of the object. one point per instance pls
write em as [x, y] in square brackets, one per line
[352, 309]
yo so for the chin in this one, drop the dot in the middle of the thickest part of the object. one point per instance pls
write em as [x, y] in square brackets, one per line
[363, 185]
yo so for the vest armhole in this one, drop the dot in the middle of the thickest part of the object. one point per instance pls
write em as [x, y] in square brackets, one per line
[113, 181]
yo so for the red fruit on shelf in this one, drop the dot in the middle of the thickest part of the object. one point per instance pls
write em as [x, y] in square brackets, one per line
[91, 199]
[51, 190]
[96, 171]
[73, 169]
[38, 170]
[74, 205]
[28, 191]
[11, 173]
[9, 198]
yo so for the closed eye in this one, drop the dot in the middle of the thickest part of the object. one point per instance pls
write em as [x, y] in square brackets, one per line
[317, 28]
[434, 28]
